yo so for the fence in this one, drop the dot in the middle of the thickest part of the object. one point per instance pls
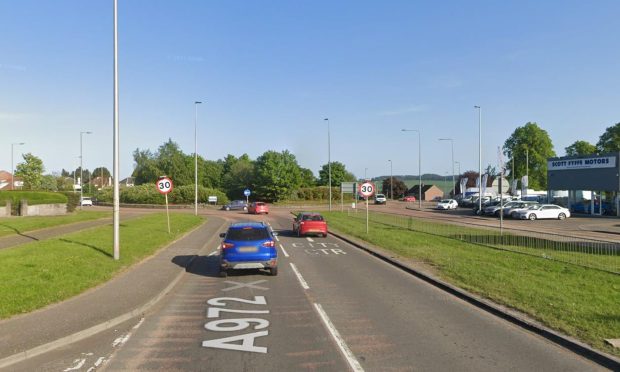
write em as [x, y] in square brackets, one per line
[597, 254]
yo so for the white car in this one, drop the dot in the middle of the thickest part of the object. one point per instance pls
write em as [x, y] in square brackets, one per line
[86, 201]
[447, 204]
[544, 211]
[380, 199]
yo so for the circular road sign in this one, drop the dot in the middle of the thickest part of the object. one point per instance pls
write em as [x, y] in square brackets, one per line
[246, 192]
[367, 189]
[164, 185]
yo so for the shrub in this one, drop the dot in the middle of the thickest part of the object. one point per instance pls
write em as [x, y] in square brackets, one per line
[148, 194]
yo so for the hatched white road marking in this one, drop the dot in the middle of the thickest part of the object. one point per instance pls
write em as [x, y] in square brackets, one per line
[79, 363]
[348, 354]
[251, 285]
[284, 251]
[212, 253]
[303, 283]
[275, 236]
[310, 239]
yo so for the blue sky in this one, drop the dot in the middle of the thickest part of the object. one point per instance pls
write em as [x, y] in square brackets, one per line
[269, 72]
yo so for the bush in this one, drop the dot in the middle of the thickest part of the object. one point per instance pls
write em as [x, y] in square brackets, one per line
[148, 194]
[73, 200]
[317, 193]
[32, 197]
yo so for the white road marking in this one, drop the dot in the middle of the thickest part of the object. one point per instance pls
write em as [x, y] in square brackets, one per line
[121, 340]
[79, 363]
[251, 285]
[139, 324]
[275, 236]
[303, 283]
[348, 354]
[212, 253]
[284, 251]
[309, 239]
[99, 361]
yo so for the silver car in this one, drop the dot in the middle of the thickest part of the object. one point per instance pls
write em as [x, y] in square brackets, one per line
[544, 211]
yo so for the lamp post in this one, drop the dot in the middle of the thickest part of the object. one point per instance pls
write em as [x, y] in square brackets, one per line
[458, 168]
[82, 169]
[12, 168]
[196, 103]
[391, 188]
[329, 165]
[419, 164]
[116, 237]
[479, 157]
[452, 147]
[365, 172]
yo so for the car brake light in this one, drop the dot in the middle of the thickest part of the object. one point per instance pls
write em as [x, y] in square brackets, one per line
[301, 223]
[269, 243]
[227, 245]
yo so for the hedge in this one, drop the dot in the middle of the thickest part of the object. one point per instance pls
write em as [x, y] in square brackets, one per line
[148, 194]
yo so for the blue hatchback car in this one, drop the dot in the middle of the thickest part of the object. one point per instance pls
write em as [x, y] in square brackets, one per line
[248, 245]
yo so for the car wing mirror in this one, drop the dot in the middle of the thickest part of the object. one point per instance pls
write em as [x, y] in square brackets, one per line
[222, 235]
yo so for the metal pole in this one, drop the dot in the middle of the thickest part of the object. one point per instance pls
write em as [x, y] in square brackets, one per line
[329, 165]
[391, 180]
[81, 173]
[12, 164]
[479, 158]
[196, 103]
[419, 164]
[116, 215]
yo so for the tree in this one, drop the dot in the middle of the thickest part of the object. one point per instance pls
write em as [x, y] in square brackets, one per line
[610, 140]
[580, 148]
[212, 172]
[277, 175]
[307, 178]
[240, 175]
[175, 164]
[101, 172]
[339, 174]
[146, 169]
[532, 143]
[398, 187]
[31, 171]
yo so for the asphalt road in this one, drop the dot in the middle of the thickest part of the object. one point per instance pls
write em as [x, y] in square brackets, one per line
[332, 307]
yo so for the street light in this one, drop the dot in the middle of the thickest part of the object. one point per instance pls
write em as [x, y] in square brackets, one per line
[365, 171]
[329, 165]
[419, 163]
[479, 158]
[452, 147]
[391, 188]
[12, 168]
[196, 103]
[82, 169]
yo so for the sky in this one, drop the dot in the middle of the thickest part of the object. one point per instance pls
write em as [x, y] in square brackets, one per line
[269, 73]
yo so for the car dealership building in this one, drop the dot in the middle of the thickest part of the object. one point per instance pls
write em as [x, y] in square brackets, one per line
[592, 182]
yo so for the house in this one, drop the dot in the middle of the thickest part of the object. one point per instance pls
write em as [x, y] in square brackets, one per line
[5, 181]
[101, 182]
[127, 182]
[429, 192]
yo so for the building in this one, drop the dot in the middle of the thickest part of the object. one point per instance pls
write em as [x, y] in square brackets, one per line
[5, 181]
[429, 192]
[592, 182]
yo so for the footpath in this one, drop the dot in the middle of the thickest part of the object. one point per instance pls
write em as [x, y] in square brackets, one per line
[128, 295]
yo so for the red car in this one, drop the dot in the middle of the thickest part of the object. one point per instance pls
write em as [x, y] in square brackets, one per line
[409, 198]
[309, 223]
[258, 208]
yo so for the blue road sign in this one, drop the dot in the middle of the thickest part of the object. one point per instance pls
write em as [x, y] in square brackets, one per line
[246, 192]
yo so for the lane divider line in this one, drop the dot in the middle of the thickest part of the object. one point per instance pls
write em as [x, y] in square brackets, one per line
[342, 345]
[284, 251]
[303, 283]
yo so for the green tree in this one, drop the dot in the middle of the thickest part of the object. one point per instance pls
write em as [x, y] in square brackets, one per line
[146, 169]
[399, 187]
[580, 148]
[31, 171]
[101, 172]
[610, 140]
[307, 178]
[532, 143]
[277, 175]
[175, 164]
[339, 174]
[240, 175]
[212, 172]
[49, 183]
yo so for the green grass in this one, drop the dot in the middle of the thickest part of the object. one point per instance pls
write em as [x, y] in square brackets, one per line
[37, 274]
[583, 303]
[20, 225]
[33, 197]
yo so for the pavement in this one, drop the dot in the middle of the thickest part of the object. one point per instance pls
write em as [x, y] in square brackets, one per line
[112, 303]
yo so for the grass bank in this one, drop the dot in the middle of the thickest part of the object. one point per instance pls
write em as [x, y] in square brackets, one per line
[41, 273]
[19, 225]
[580, 302]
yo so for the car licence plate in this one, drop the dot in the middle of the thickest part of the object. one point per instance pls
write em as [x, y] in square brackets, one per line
[247, 249]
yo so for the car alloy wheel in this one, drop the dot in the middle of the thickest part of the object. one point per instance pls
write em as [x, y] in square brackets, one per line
[561, 216]
[532, 216]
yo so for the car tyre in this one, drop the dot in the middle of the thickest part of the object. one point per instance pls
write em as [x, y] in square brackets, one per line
[223, 273]
[245, 208]
[325, 235]
[532, 217]
[273, 271]
[227, 208]
[561, 216]
[513, 215]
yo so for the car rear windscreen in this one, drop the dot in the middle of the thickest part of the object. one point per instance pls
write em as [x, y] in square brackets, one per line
[247, 234]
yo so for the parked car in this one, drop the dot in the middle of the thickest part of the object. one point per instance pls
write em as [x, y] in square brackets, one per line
[494, 210]
[380, 199]
[447, 204]
[409, 198]
[309, 223]
[86, 201]
[544, 211]
[248, 245]
[235, 205]
[518, 207]
[258, 208]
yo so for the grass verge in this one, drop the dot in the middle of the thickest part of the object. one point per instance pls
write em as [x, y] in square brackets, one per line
[41, 273]
[19, 225]
[580, 302]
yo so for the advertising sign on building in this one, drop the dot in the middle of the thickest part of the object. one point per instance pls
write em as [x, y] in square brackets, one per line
[594, 162]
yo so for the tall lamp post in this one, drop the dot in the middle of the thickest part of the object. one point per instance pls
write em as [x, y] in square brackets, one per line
[452, 147]
[391, 179]
[479, 157]
[82, 169]
[12, 168]
[196, 103]
[329, 165]
[419, 163]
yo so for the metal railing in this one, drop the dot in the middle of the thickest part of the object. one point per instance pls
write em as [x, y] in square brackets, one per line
[592, 253]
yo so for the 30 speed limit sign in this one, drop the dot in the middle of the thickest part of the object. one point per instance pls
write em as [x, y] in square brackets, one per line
[164, 185]
[367, 189]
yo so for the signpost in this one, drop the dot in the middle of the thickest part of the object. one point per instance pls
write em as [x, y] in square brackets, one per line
[367, 189]
[247, 194]
[164, 186]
